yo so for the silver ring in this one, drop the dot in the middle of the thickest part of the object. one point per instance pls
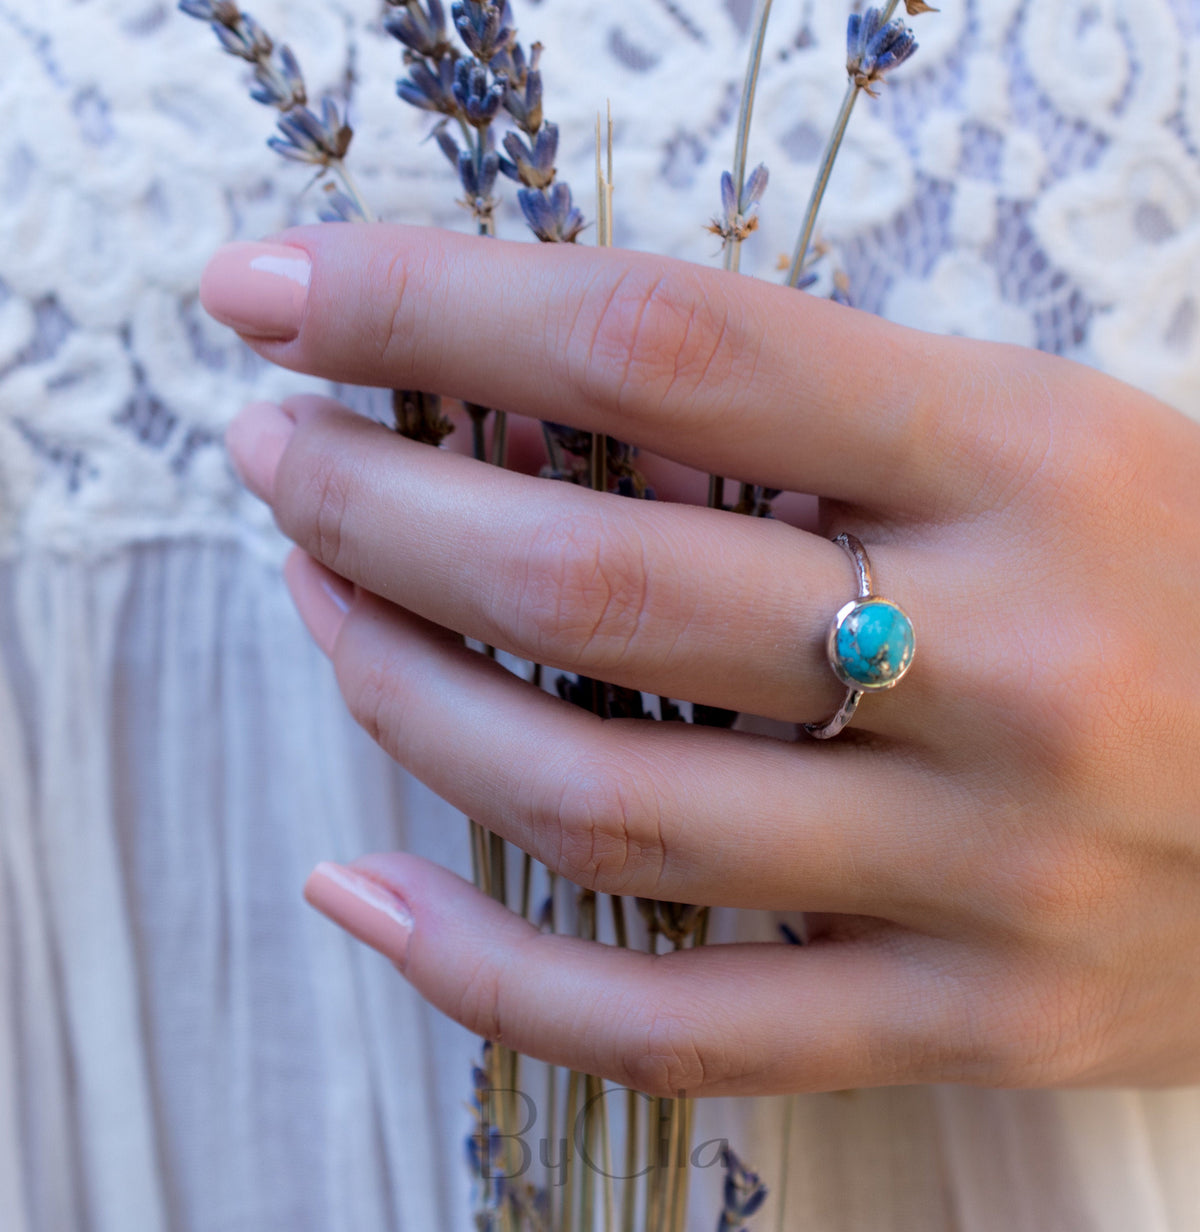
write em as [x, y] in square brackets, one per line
[870, 644]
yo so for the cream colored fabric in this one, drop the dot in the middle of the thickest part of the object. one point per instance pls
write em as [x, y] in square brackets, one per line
[185, 1047]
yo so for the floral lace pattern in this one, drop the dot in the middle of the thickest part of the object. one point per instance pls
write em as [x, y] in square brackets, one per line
[1032, 175]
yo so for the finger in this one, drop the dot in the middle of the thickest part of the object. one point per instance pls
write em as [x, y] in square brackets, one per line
[651, 809]
[690, 603]
[726, 374]
[668, 480]
[715, 1020]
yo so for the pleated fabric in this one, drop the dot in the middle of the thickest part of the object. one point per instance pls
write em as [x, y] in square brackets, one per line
[184, 1044]
[186, 1047]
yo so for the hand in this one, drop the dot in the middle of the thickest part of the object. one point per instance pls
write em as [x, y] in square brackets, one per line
[1001, 856]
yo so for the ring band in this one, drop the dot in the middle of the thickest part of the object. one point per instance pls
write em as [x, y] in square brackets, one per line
[870, 644]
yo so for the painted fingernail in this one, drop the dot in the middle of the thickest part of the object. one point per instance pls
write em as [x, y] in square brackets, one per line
[365, 909]
[258, 289]
[322, 598]
[256, 439]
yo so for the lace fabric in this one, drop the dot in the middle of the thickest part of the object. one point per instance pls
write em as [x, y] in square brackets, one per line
[1032, 176]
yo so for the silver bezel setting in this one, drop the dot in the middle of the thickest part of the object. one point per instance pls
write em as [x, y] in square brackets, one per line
[842, 615]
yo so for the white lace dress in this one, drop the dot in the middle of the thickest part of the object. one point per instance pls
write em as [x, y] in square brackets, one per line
[183, 1044]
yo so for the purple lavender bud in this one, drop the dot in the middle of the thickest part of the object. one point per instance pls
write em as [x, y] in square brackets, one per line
[231, 41]
[478, 97]
[756, 185]
[428, 90]
[874, 49]
[729, 202]
[483, 26]
[524, 97]
[744, 1193]
[307, 139]
[339, 207]
[550, 214]
[423, 30]
[259, 41]
[478, 179]
[446, 143]
[533, 164]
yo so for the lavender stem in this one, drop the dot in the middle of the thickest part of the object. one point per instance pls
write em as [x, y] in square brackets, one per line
[733, 249]
[796, 272]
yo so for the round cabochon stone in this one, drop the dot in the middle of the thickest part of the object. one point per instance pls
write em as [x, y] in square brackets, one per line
[874, 643]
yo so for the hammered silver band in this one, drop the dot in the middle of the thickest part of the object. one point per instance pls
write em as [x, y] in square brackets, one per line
[870, 644]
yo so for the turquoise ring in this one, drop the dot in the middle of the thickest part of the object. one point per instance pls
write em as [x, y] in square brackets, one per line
[870, 644]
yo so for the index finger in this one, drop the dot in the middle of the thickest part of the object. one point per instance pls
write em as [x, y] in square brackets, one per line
[721, 372]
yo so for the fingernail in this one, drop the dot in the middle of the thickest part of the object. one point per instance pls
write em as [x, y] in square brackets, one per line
[322, 598]
[256, 439]
[364, 908]
[258, 289]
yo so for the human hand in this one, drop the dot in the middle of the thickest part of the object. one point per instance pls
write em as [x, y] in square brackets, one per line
[1001, 857]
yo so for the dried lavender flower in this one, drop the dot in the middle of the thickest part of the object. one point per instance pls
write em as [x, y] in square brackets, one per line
[744, 1193]
[485, 27]
[309, 139]
[739, 218]
[523, 100]
[421, 29]
[477, 171]
[278, 82]
[479, 97]
[874, 48]
[430, 90]
[280, 86]
[339, 207]
[551, 214]
[533, 162]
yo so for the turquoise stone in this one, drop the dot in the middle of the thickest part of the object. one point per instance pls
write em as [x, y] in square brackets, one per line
[873, 645]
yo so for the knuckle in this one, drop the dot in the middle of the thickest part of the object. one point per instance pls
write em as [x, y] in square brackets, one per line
[668, 1059]
[389, 331]
[314, 496]
[609, 826]
[1095, 706]
[1053, 891]
[369, 690]
[582, 591]
[1037, 1028]
[478, 1006]
[652, 335]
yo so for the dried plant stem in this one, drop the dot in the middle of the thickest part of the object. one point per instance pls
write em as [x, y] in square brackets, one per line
[526, 883]
[733, 249]
[498, 1065]
[683, 1118]
[785, 1159]
[609, 1195]
[567, 1214]
[629, 1193]
[832, 149]
[656, 1175]
[339, 168]
[500, 439]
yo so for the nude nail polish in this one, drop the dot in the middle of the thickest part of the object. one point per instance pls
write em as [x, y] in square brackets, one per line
[260, 290]
[364, 908]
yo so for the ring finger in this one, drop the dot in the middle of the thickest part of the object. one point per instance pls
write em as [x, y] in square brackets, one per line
[656, 810]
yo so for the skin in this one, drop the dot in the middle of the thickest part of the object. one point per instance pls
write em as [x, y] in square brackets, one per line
[1000, 858]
